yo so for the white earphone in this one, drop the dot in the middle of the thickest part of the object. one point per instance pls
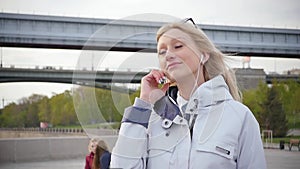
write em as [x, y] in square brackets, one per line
[201, 58]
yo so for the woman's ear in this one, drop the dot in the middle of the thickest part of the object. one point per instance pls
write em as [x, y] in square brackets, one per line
[204, 57]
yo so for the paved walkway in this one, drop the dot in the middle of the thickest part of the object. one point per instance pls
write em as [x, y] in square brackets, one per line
[276, 159]
[282, 159]
[58, 164]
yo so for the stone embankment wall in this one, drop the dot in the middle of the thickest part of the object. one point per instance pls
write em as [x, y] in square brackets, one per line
[36, 146]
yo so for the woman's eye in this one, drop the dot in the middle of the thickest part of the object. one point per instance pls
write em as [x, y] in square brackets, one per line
[177, 46]
[162, 52]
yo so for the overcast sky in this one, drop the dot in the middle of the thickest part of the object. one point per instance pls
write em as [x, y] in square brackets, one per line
[262, 13]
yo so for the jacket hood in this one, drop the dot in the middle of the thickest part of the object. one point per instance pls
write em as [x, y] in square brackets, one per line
[212, 92]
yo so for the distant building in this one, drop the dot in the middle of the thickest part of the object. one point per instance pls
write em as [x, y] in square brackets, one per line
[248, 78]
[293, 72]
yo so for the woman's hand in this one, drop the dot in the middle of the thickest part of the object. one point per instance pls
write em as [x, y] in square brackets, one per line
[150, 90]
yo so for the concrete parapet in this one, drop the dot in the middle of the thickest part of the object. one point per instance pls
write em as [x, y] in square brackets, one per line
[48, 148]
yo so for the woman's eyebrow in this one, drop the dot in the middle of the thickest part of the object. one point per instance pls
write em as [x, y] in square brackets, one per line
[180, 39]
[174, 39]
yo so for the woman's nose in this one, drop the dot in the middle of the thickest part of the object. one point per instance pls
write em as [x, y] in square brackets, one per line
[169, 55]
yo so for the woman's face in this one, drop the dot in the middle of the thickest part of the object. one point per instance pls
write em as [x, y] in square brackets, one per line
[93, 147]
[177, 54]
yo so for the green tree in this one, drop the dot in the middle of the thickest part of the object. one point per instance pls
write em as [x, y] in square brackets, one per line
[134, 95]
[112, 104]
[12, 116]
[95, 106]
[255, 99]
[32, 110]
[290, 93]
[275, 118]
[87, 107]
[81, 104]
[44, 110]
[31, 115]
[62, 109]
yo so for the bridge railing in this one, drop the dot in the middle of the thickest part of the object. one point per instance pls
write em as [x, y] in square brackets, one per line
[50, 130]
[79, 131]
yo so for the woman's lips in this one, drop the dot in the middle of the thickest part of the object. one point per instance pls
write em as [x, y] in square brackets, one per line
[171, 65]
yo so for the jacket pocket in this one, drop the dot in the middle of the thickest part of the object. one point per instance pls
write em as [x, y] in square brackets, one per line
[219, 148]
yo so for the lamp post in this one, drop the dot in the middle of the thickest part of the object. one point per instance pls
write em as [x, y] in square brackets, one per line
[2, 103]
[1, 58]
[92, 60]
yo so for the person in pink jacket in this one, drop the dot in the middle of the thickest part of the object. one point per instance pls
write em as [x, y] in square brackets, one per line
[90, 157]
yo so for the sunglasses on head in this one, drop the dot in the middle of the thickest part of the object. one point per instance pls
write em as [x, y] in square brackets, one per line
[186, 20]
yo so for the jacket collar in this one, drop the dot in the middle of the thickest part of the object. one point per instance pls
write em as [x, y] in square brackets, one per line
[209, 93]
[212, 92]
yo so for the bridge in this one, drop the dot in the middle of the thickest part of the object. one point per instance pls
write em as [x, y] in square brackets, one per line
[38, 31]
[100, 78]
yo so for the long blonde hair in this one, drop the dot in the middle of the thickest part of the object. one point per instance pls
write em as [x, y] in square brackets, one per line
[215, 65]
[100, 149]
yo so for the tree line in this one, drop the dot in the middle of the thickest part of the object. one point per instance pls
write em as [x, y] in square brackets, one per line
[60, 110]
[276, 107]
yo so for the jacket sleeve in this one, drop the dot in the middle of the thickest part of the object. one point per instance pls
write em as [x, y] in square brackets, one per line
[130, 150]
[105, 160]
[251, 153]
[87, 164]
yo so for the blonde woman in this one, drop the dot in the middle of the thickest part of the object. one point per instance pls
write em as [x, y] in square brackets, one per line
[197, 124]
[90, 157]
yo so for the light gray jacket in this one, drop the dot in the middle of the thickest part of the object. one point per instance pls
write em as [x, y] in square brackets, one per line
[225, 134]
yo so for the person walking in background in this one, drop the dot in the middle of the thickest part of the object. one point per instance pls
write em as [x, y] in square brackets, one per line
[194, 120]
[90, 157]
[102, 156]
